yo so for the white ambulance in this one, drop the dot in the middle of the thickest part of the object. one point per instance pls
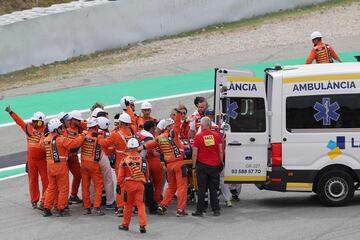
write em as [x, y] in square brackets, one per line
[296, 130]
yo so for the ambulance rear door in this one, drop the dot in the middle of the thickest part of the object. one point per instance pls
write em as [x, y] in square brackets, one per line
[243, 107]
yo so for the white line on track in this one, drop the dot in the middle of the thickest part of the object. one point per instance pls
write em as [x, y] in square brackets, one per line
[118, 105]
[12, 167]
[14, 176]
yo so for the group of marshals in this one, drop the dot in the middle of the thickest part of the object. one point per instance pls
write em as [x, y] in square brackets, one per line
[142, 150]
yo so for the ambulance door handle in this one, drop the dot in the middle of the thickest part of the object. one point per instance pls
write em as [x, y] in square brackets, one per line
[252, 139]
[235, 143]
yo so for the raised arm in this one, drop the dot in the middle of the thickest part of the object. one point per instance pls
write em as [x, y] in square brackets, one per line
[132, 117]
[109, 141]
[73, 143]
[18, 120]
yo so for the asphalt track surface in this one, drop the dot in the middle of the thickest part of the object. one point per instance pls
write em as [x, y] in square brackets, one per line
[259, 214]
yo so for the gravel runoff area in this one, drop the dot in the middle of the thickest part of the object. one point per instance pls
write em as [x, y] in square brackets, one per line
[340, 21]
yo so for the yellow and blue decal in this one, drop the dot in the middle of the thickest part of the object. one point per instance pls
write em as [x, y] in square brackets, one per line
[336, 147]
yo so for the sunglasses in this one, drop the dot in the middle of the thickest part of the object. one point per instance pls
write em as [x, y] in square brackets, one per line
[183, 113]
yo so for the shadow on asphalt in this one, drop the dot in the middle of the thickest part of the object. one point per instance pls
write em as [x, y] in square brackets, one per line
[289, 201]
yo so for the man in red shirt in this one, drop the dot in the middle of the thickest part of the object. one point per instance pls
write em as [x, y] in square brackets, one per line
[207, 159]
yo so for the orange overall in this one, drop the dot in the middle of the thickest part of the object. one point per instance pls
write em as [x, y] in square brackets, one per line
[90, 170]
[36, 158]
[156, 169]
[133, 174]
[57, 149]
[74, 164]
[118, 139]
[322, 53]
[171, 146]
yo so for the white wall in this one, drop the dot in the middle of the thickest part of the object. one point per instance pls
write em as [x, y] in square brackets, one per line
[69, 30]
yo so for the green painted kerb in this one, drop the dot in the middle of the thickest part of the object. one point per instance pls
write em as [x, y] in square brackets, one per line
[11, 172]
[82, 98]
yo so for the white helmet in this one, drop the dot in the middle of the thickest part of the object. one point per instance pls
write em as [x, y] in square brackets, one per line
[132, 143]
[76, 114]
[129, 99]
[54, 124]
[96, 111]
[103, 123]
[125, 118]
[61, 115]
[39, 116]
[168, 122]
[146, 105]
[316, 35]
[91, 122]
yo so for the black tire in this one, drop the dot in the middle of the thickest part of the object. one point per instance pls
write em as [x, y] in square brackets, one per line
[335, 188]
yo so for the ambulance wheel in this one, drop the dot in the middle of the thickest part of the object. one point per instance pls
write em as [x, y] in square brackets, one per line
[335, 188]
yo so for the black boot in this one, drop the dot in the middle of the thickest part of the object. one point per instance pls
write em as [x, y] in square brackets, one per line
[123, 228]
[34, 205]
[75, 199]
[87, 211]
[98, 212]
[47, 212]
[63, 213]
[142, 229]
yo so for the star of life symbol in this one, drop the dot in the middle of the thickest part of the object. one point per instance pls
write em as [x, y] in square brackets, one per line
[326, 111]
[231, 109]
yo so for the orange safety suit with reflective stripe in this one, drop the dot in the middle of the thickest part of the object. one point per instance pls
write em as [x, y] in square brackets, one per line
[36, 158]
[134, 119]
[118, 139]
[90, 169]
[133, 174]
[173, 150]
[156, 169]
[57, 153]
[74, 164]
[320, 53]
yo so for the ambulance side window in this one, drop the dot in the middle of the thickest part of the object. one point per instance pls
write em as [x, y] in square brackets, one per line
[322, 112]
[247, 114]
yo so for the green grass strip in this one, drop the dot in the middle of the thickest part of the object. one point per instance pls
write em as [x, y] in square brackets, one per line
[82, 98]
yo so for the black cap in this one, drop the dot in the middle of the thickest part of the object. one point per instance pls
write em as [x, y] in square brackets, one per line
[149, 124]
[209, 112]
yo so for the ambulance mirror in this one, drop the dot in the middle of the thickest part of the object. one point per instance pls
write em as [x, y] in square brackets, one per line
[223, 89]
